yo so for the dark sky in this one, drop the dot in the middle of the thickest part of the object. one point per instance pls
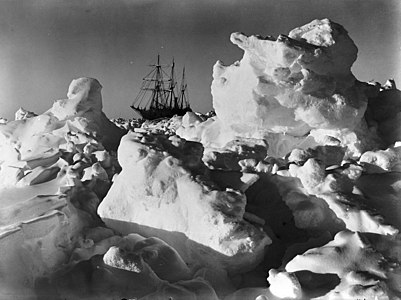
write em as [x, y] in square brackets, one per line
[45, 44]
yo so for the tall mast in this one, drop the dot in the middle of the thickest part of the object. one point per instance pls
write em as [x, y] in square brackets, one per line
[171, 97]
[183, 98]
[157, 93]
[153, 82]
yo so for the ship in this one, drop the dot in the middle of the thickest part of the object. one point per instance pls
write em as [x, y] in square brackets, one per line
[159, 95]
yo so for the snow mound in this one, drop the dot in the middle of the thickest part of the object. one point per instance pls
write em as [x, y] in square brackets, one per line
[54, 172]
[283, 89]
[364, 272]
[163, 191]
[22, 113]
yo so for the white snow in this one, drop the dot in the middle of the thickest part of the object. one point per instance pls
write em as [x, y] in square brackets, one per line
[163, 191]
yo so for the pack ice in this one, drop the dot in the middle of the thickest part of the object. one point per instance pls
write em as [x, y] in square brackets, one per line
[291, 190]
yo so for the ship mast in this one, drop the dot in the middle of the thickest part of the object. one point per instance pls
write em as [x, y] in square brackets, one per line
[157, 100]
[183, 97]
[155, 83]
[171, 91]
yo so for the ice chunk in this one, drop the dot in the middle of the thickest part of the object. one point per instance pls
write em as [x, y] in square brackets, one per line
[24, 114]
[162, 191]
[284, 285]
[133, 251]
[364, 271]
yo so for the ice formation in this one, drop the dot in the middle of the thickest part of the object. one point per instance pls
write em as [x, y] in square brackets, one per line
[24, 114]
[163, 191]
[291, 190]
[364, 271]
[293, 91]
[45, 204]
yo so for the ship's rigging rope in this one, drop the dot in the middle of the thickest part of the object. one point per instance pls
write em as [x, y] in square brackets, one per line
[155, 81]
[165, 93]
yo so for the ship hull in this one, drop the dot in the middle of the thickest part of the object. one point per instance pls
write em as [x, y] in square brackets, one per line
[152, 114]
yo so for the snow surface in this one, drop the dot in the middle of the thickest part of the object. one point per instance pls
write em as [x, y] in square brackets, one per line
[163, 191]
[291, 190]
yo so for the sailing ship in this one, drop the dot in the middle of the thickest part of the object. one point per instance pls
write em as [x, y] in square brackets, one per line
[160, 96]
